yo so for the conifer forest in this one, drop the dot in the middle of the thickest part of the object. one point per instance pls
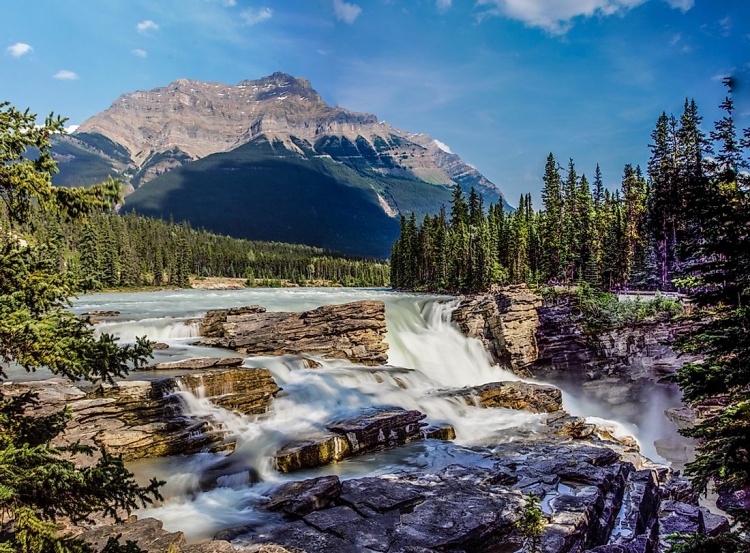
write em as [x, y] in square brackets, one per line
[646, 235]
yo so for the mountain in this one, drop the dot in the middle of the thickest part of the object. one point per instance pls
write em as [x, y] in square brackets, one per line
[266, 159]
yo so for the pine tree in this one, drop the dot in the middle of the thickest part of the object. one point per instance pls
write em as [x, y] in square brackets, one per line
[39, 484]
[570, 247]
[552, 222]
[721, 280]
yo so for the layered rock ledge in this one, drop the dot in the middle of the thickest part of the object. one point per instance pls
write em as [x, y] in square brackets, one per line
[140, 419]
[505, 321]
[353, 331]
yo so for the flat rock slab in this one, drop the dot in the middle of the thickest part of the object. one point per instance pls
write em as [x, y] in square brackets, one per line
[142, 419]
[353, 331]
[199, 363]
[302, 498]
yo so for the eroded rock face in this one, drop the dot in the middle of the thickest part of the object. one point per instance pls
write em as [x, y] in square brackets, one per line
[140, 419]
[352, 331]
[506, 321]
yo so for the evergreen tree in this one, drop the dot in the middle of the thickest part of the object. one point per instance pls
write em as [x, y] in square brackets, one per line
[721, 283]
[39, 483]
[552, 221]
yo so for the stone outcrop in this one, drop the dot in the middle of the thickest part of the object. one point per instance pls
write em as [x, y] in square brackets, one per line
[198, 364]
[548, 340]
[151, 537]
[380, 428]
[506, 321]
[592, 500]
[139, 419]
[537, 398]
[352, 331]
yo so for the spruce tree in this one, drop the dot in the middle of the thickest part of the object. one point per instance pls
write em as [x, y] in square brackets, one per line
[552, 222]
[721, 285]
[39, 483]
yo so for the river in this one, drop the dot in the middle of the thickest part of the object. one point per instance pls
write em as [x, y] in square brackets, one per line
[426, 354]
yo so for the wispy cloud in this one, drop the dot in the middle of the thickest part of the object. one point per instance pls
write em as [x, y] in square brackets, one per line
[554, 16]
[683, 5]
[65, 75]
[146, 26]
[19, 49]
[726, 25]
[346, 11]
[254, 16]
[443, 5]
[140, 53]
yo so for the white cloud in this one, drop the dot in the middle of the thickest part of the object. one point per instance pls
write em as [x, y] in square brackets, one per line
[19, 49]
[443, 5]
[65, 75]
[345, 11]
[254, 16]
[146, 26]
[675, 39]
[140, 53]
[229, 3]
[683, 5]
[555, 16]
[71, 128]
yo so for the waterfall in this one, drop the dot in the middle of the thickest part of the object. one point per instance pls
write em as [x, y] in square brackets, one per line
[162, 329]
[428, 357]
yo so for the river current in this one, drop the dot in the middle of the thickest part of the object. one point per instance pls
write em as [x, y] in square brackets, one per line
[426, 354]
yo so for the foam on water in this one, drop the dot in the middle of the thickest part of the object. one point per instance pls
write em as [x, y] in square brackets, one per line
[427, 356]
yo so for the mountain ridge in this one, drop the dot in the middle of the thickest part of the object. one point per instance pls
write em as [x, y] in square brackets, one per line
[154, 139]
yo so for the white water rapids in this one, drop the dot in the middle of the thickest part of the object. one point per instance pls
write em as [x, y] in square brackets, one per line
[427, 354]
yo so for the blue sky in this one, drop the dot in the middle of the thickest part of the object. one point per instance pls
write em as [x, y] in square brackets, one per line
[502, 82]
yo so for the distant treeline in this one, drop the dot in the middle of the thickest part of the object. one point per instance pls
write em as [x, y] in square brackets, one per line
[643, 235]
[112, 251]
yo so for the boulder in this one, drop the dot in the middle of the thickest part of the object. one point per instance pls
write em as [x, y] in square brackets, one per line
[537, 398]
[302, 498]
[378, 428]
[322, 448]
[352, 331]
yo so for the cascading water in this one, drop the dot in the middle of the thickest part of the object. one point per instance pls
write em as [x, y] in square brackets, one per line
[427, 356]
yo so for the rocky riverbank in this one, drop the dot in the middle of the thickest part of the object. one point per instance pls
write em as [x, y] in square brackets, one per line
[597, 492]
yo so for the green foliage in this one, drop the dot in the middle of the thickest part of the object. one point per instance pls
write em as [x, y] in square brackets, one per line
[40, 483]
[112, 251]
[730, 542]
[717, 243]
[531, 524]
[601, 310]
